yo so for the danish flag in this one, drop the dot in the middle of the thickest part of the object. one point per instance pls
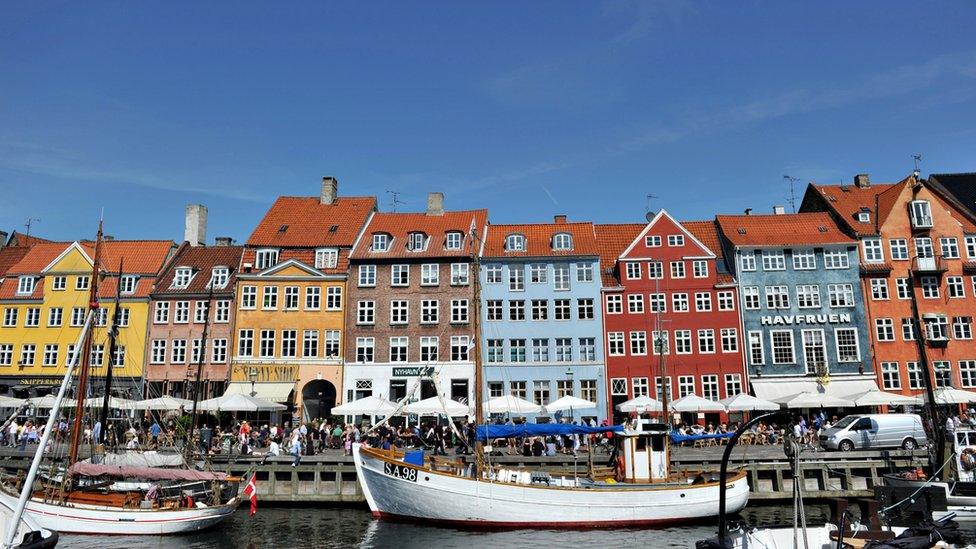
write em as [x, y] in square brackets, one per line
[251, 491]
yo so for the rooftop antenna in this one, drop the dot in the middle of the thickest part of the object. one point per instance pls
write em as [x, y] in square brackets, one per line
[792, 198]
[918, 160]
[395, 199]
[648, 214]
[29, 223]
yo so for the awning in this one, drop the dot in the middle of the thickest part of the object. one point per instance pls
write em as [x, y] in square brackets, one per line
[275, 391]
[779, 389]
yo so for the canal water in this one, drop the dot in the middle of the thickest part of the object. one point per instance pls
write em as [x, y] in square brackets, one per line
[340, 528]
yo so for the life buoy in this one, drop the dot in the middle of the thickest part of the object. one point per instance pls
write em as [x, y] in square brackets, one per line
[620, 469]
[968, 459]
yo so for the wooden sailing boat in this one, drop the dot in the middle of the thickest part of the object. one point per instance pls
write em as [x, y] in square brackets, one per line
[71, 507]
[642, 491]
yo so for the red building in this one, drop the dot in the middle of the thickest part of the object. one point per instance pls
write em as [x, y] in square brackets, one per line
[666, 288]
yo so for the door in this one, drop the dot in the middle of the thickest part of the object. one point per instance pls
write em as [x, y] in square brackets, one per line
[427, 389]
[318, 398]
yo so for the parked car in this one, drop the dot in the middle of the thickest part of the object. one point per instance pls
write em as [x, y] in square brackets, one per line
[868, 431]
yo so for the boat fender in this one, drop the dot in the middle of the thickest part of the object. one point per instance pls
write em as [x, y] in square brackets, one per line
[620, 469]
[968, 459]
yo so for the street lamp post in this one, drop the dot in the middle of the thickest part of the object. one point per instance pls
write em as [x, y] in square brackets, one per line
[572, 390]
[252, 374]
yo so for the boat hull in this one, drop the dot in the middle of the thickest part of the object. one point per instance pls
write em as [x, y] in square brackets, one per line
[420, 494]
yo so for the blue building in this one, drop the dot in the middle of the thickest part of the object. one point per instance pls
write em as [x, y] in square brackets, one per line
[542, 330]
[802, 304]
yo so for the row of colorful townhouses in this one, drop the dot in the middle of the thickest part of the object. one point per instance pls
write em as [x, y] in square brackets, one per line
[331, 300]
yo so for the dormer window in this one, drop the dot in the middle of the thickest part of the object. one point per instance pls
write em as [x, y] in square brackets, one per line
[219, 277]
[864, 216]
[127, 284]
[25, 285]
[182, 277]
[515, 243]
[381, 242]
[921, 212]
[562, 241]
[264, 259]
[417, 242]
[453, 240]
[326, 258]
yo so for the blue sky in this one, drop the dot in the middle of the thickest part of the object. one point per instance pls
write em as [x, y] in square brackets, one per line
[528, 109]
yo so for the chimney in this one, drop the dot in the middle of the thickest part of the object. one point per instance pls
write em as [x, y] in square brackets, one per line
[224, 241]
[779, 210]
[862, 181]
[559, 219]
[748, 211]
[107, 237]
[330, 189]
[3, 238]
[435, 203]
[195, 227]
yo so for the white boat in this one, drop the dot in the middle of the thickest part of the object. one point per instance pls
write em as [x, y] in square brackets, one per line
[29, 534]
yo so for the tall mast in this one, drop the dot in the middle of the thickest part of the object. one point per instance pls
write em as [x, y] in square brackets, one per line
[85, 355]
[478, 407]
[113, 336]
[196, 384]
[661, 341]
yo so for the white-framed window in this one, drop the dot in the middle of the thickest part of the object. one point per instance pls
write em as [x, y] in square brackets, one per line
[903, 288]
[640, 385]
[289, 343]
[710, 387]
[430, 274]
[399, 347]
[313, 298]
[493, 310]
[453, 240]
[429, 348]
[967, 372]
[245, 343]
[179, 352]
[266, 345]
[706, 341]
[399, 275]
[538, 273]
[652, 241]
[459, 274]
[200, 312]
[82, 282]
[970, 246]
[77, 316]
[836, 259]
[365, 349]
[326, 258]
[540, 350]
[686, 386]
[848, 346]
[381, 242]
[949, 246]
[899, 248]
[182, 277]
[516, 350]
[808, 296]
[804, 260]
[814, 351]
[699, 268]
[873, 250]
[367, 275]
[657, 302]
[962, 327]
[675, 240]
[615, 344]
[661, 342]
[59, 283]
[25, 285]
[55, 316]
[884, 329]
[218, 352]
[27, 353]
[618, 386]
[157, 354]
[33, 318]
[633, 269]
[777, 297]
[615, 304]
[516, 278]
[429, 311]
[416, 241]
[930, 287]
[269, 298]
[399, 311]
[914, 376]
[733, 385]
[459, 311]
[264, 259]
[703, 301]
[332, 343]
[955, 287]
[495, 351]
[921, 214]
[562, 241]
[679, 302]
[515, 243]
[516, 309]
[584, 272]
[677, 269]
[127, 284]
[864, 216]
[564, 349]
[923, 247]
[773, 260]
[585, 309]
[682, 342]
[638, 343]
[333, 298]
[561, 309]
[840, 295]
[587, 349]
[655, 270]
[493, 274]
[782, 346]
[730, 340]
[879, 289]
[890, 376]
[7, 354]
[291, 298]
[908, 329]
[943, 373]
[161, 312]
[459, 348]
[747, 261]
[750, 297]
[635, 303]
[661, 388]
[249, 297]
[50, 354]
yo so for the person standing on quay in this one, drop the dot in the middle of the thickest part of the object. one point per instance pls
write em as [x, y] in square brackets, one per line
[296, 450]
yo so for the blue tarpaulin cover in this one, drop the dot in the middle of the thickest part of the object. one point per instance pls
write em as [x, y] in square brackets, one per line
[542, 429]
[414, 457]
[678, 438]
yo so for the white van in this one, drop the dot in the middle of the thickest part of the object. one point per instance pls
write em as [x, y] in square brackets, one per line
[866, 431]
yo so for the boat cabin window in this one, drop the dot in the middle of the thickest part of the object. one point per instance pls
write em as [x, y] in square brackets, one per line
[641, 444]
[657, 444]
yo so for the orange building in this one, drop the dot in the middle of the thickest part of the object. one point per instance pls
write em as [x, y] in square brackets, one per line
[914, 242]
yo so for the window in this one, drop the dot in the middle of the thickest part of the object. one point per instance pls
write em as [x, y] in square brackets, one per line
[730, 340]
[367, 275]
[326, 258]
[289, 343]
[703, 301]
[686, 386]
[873, 251]
[459, 274]
[493, 309]
[836, 259]
[840, 295]
[633, 270]
[562, 241]
[459, 348]
[218, 354]
[562, 309]
[516, 309]
[864, 217]
[538, 273]
[879, 289]
[903, 288]
[540, 392]
[584, 308]
[82, 282]
[493, 274]
[710, 387]
[453, 240]
[962, 327]
[496, 350]
[50, 354]
[641, 387]
[429, 311]
[245, 343]
[7, 354]
[706, 341]
[677, 269]
[638, 343]
[657, 303]
[682, 342]
[676, 240]
[747, 261]
[848, 348]
[127, 284]
[635, 303]
[970, 246]
[804, 260]
[921, 213]
[661, 342]
[430, 274]
[930, 287]
[914, 376]
[313, 298]
[310, 344]
[949, 246]
[249, 297]
[615, 343]
[540, 350]
[652, 241]
[265, 258]
[560, 277]
[416, 242]
[655, 270]
[923, 247]
[967, 371]
[782, 346]
[908, 329]
[750, 295]
[540, 309]
[699, 268]
[459, 311]
[884, 328]
[200, 311]
[733, 385]
[77, 316]
[777, 297]
[398, 348]
[584, 272]
[158, 352]
[943, 373]
[366, 312]
[33, 318]
[516, 350]
[564, 349]
[55, 314]
[269, 298]
[27, 352]
[618, 386]
[660, 389]
[564, 387]
[517, 389]
[400, 275]
[181, 312]
[365, 349]
[615, 304]
[587, 349]
[429, 349]
[773, 260]
[808, 296]
[890, 377]
[333, 298]
[515, 243]
[381, 242]
[399, 311]
[899, 248]
[954, 286]
[179, 351]
[59, 282]
[267, 343]
[679, 302]
[516, 278]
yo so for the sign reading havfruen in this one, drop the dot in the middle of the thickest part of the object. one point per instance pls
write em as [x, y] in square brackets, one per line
[411, 372]
[790, 320]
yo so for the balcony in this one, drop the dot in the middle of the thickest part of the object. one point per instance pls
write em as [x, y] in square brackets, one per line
[929, 265]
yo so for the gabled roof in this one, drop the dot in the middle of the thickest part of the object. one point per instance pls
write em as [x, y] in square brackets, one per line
[664, 215]
[304, 222]
[707, 232]
[201, 259]
[309, 270]
[38, 258]
[847, 201]
[538, 240]
[10, 256]
[436, 227]
[612, 240]
[800, 229]
[144, 257]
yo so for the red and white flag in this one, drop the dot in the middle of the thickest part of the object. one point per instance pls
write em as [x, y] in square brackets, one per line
[251, 491]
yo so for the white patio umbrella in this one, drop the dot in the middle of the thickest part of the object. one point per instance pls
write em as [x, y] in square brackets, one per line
[951, 395]
[368, 406]
[642, 403]
[10, 402]
[509, 404]
[812, 399]
[47, 401]
[695, 403]
[162, 403]
[748, 403]
[114, 403]
[238, 403]
[432, 406]
[570, 402]
[880, 398]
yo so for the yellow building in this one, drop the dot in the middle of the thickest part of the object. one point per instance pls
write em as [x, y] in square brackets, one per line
[44, 300]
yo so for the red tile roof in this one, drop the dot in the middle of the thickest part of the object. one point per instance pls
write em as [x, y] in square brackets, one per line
[399, 225]
[849, 200]
[202, 259]
[304, 222]
[144, 257]
[38, 257]
[801, 229]
[612, 240]
[538, 240]
[21, 239]
[10, 256]
[707, 233]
